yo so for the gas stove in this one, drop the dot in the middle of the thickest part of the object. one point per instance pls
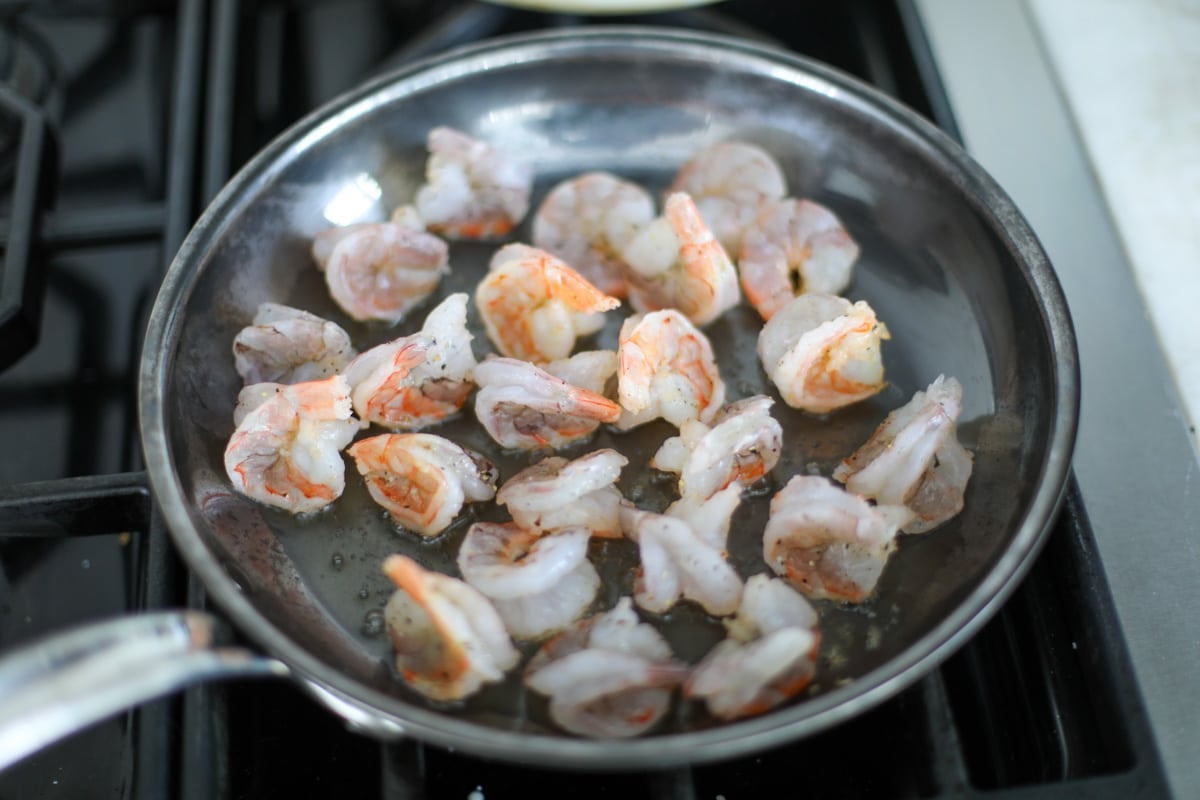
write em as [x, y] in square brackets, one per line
[143, 111]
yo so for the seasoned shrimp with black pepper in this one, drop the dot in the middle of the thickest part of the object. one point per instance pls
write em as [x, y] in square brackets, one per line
[448, 639]
[827, 542]
[666, 368]
[555, 493]
[675, 261]
[525, 407]
[422, 480]
[678, 564]
[539, 582]
[380, 270]
[768, 657]
[417, 380]
[794, 247]
[730, 182]
[534, 305]
[742, 445]
[914, 458]
[823, 352]
[472, 190]
[588, 221]
[290, 345]
[710, 517]
[610, 676]
[286, 449]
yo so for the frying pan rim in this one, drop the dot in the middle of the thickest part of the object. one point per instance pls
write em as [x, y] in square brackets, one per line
[721, 742]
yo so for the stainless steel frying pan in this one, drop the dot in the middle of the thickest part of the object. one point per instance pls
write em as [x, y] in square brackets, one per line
[948, 263]
[598, 7]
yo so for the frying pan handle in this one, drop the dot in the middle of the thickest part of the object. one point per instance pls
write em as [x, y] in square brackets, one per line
[66, 682]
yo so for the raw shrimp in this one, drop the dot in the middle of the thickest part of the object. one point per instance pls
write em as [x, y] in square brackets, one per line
[325, 240]
[290, 345]
[770, 605]
[676, 563]
[449, 640]
[618, 630]
[407, 216]
[538, 582]
[828, 542]
[589, 370]
[588, 221]
[285, 451]
[794, 247]
[769, 656]
[525, 407]
[516, 251]
[380, 270]
[730, 181]
[914, 458]
[535, 305]
[472, 190]
[675, 262]
[666, 368]
[823, 352]
[422, 480]
[417, 380]
[742, 445]
[608, 677]
[709, 518]
[555, 493]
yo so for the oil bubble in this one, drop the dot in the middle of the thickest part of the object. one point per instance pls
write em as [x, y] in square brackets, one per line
[373, 624]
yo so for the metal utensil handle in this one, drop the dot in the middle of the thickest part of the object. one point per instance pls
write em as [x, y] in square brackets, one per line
[66, 682]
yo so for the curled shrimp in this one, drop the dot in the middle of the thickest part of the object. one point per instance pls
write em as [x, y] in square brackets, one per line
[422, 480]
[828, 542]
[823, 352]
[914, 458]
[709, 518]
[588, 221]
[407, 216]
[534, 305]
[554, 494]
[472, 190]
[666, 368]
[516, 251]
[449, 640]
[525, 407]
[794, 247]
[538, 582]
[608, 677]
[325, 240]
[285, 451]
[591, 370]
[730, 181]
[380, 270]
[290, 345]
[768, 657]
[678, 564]
[741, 446]
[417, 380]
[676, 262]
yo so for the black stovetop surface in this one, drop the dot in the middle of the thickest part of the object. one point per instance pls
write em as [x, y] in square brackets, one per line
[150, 108]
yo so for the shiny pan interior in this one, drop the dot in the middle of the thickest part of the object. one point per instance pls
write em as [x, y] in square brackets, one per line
[947, 262]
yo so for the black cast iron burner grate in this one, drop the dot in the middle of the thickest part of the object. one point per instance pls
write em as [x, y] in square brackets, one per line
[1039, 703]
[28, 161]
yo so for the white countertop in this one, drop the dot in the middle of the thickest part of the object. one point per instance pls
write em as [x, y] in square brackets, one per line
[1086, 112]
[1130, 72]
